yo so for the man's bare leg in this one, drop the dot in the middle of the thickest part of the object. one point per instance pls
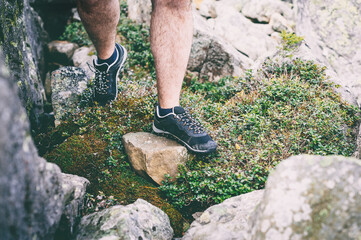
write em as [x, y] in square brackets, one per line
[171, 40]
[100, 19]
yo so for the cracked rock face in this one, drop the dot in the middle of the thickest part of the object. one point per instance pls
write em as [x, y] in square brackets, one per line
[22, 39]
[140, 220]
[332, 29]
[311, 197]
[74, 188]
[31, 196]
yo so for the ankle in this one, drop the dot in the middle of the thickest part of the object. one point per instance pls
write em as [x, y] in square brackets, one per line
[164, 111]
[109, 60]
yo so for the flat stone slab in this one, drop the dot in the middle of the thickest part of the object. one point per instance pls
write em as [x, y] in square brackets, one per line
[154, 156]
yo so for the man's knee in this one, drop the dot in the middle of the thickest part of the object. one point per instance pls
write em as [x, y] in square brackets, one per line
[179, 5]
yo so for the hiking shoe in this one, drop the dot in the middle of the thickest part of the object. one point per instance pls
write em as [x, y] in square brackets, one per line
[106, 77]
[180, 124]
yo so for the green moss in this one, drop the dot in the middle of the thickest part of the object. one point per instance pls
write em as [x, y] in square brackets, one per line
[89, 145]
[320, 214]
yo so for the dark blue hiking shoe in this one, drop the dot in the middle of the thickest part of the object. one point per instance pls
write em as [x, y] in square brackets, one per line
[106, 77]
[189, 132]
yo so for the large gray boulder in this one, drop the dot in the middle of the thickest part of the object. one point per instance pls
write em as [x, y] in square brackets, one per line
[31, 196]
[139, 220]
[310, 197]
[306, 197]
[332, 29]
[23, 40]
[225, 221]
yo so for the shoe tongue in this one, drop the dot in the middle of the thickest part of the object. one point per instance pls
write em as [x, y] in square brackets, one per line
[179, 110]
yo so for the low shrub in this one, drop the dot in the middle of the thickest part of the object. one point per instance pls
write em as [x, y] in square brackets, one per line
[293, 110]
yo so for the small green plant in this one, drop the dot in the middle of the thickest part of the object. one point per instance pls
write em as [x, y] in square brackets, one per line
[219, 91]
[75, 32]
[290, 42]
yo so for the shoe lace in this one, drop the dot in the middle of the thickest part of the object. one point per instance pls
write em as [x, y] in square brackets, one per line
[192, 124]
[100, 80]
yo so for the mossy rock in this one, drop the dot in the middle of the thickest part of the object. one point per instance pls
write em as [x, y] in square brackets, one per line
[87, 156]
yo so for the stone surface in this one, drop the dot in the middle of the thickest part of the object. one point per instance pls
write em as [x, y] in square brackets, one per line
[310, 197]
[139, 220]
[82, 57]
[67, 85]
[31, 196]
[261, 11]
[139, 11]
[332, 29]
[357, 153]
[251, 39]
[61, 52]
[279, 23]
[22, 38]
[74, 188]
[225, 221]
[212, 57]
[154, 156]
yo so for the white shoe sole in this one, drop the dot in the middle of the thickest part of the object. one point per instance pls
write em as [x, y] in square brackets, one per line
[159, 131]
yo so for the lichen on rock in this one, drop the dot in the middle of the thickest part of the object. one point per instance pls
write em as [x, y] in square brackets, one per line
[311, 197]
[68, 83]
[22, 38]
[139, 220]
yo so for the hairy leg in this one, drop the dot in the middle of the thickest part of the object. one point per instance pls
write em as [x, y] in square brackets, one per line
[100, 19]
[171, 40]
